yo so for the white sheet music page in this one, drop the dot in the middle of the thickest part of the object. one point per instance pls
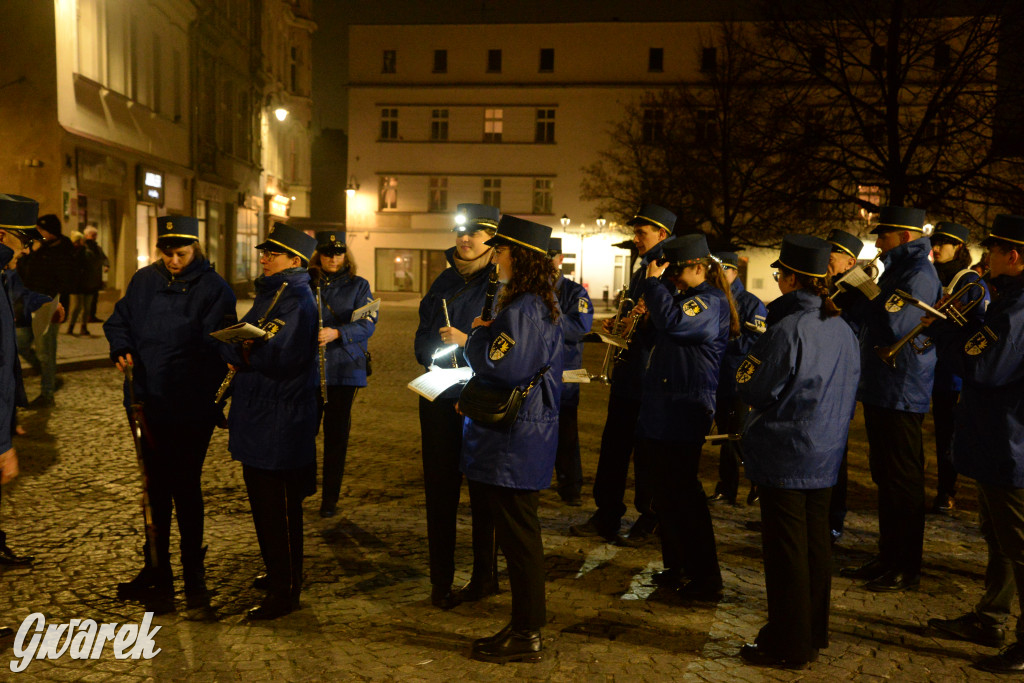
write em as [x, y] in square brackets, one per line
[432, 384]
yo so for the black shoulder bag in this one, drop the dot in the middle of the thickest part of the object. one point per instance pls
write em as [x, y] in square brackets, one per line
[495, 407]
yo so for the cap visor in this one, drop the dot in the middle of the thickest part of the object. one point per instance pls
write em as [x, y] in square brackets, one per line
[775, 264]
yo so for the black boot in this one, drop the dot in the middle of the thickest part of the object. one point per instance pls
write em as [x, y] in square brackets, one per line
[7, 556]
[509, 646]
[151, 582]
[193, 571]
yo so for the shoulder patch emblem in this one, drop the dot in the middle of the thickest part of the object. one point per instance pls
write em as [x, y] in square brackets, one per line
[273, 327]
[693, 307]
[746, 370]
[500, 346]
[895, 303]
[759, 324]
[582, 307]
[980, 342]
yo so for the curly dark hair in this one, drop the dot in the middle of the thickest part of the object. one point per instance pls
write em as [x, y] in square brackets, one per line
[532, 274]
[821, 286]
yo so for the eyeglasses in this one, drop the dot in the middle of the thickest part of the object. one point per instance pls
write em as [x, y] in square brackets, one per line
[270, 255]
[775, 275]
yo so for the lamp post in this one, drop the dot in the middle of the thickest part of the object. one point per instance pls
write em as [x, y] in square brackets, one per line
[352, 186]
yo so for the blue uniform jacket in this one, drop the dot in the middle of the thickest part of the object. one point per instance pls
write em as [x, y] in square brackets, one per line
[751, 310]
[577, 319]
[800, 380]
[165, 323]
[25, 301]
[273, 418]
[341, 294]
[691, 331]
[627, 377]
[465, 299]
[10, 365]
[887, 319]
[988, 427]
[945, 378]
[521, 340]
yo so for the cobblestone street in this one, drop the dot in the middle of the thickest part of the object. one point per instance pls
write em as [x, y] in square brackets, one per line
[365, 609]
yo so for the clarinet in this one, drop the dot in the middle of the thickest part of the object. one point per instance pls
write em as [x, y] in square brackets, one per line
[492, 289]
[321, 348]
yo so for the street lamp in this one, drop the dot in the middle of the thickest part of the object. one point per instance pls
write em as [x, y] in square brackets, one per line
[281, 113]
[601, 222]
[564, 220]
[352, 186]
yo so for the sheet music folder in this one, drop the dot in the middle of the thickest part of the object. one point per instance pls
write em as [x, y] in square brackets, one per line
[238, 332]
[365, 311]
[432, 384]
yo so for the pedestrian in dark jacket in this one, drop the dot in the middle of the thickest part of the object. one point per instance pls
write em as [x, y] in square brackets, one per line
[96, 269]
[346, 357]
[691, 331]
[800, 380]
[508, 467]
[273, 413]
[461, 290]
[161, 329]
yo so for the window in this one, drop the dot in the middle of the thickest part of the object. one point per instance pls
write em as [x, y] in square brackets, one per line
[542, 195]
[653, 129]
[388, 66]
[439, 124]
[708, 60]
[388, 124]
[440, 61]
[492, 192]
[492, 125]
[437, 200]
[943, 56]
[494, 61]
[878, 57]
[545, 125]
[706, 129]
[388, 193]
[547, 59]
[656, 60]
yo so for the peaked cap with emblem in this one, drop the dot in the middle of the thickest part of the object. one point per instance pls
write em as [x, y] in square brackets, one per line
[176, 231]
[845, 242]
[685, 249]
[554, 246]
[728, 259]
[512, 230]
[1007, 228]
[899, 218]
[286, 239]
[804, 254]
[652, 214]
[330, 242]
[947, 231]
[19, 214]
[473, 217]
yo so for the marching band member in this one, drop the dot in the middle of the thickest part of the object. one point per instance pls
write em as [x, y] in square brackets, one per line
[577, 318]
[652, 225]
[730, 410]
[800, 380]
[461, 290]
[988, 442]
[341, 292]
[952, 261]
[507, 468]
[691, 330]
[896, 399]
[273, 418]
[161, 328]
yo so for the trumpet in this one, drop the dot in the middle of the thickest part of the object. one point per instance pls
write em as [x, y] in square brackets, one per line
[947, 309]
[610, 354]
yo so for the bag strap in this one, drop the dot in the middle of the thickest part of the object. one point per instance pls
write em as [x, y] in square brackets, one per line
[536, 378]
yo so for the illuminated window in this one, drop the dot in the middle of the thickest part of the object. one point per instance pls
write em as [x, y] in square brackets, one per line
[492, 125]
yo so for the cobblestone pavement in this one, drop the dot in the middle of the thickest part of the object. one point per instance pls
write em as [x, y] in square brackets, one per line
[365, 613]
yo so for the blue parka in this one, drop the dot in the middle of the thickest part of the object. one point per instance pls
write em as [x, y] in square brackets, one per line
[886, 319]
[165, 322]
[465, 297]
[945, 378]
[340, 294]
[627, 377]
[988, 427]
[800, 380]
[10, 365]
[273, 418]
[750, 310]
[691, 331]
[509, 353]
[577, 318]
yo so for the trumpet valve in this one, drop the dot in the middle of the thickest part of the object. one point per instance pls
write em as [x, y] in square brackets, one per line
[954, 314]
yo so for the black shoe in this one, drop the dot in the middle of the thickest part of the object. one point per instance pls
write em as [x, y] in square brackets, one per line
[148, 584]
[444, 597]
[1010, 660]
[943, 505]
[753, 496]
[7, 557]
[668, 578]
[971, 628]
[328, 510]
[41, 401]
[592, 528]
[477, 590]
[572, 501]
[6, 632]
[894, 581]
[274, 605]
[867, 572]
[643, 530]
[480, 642]
[752, 654]
[719, 497]
[514, 646]
[262, 581]
[835, 535]
[701, 590]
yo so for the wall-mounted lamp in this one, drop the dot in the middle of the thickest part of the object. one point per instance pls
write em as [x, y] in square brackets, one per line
[281, 113]
[601, 221]
[352, 186]
[564, 220]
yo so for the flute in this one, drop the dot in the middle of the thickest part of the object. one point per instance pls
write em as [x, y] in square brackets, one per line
[321, 348]
[448, 323]
[228, 378]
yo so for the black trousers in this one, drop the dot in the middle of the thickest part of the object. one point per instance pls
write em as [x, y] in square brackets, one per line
[897, 467]
[943, 402]
[797, 571]
[174, 470]
[518, 530]
[568, 467]
[687, 535]
[837, 502]
[441, 433]
[336, 417]
[275, 497]
[613, 465]
[730, 414]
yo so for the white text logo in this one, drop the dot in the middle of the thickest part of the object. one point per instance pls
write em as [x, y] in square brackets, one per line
[82, 639]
